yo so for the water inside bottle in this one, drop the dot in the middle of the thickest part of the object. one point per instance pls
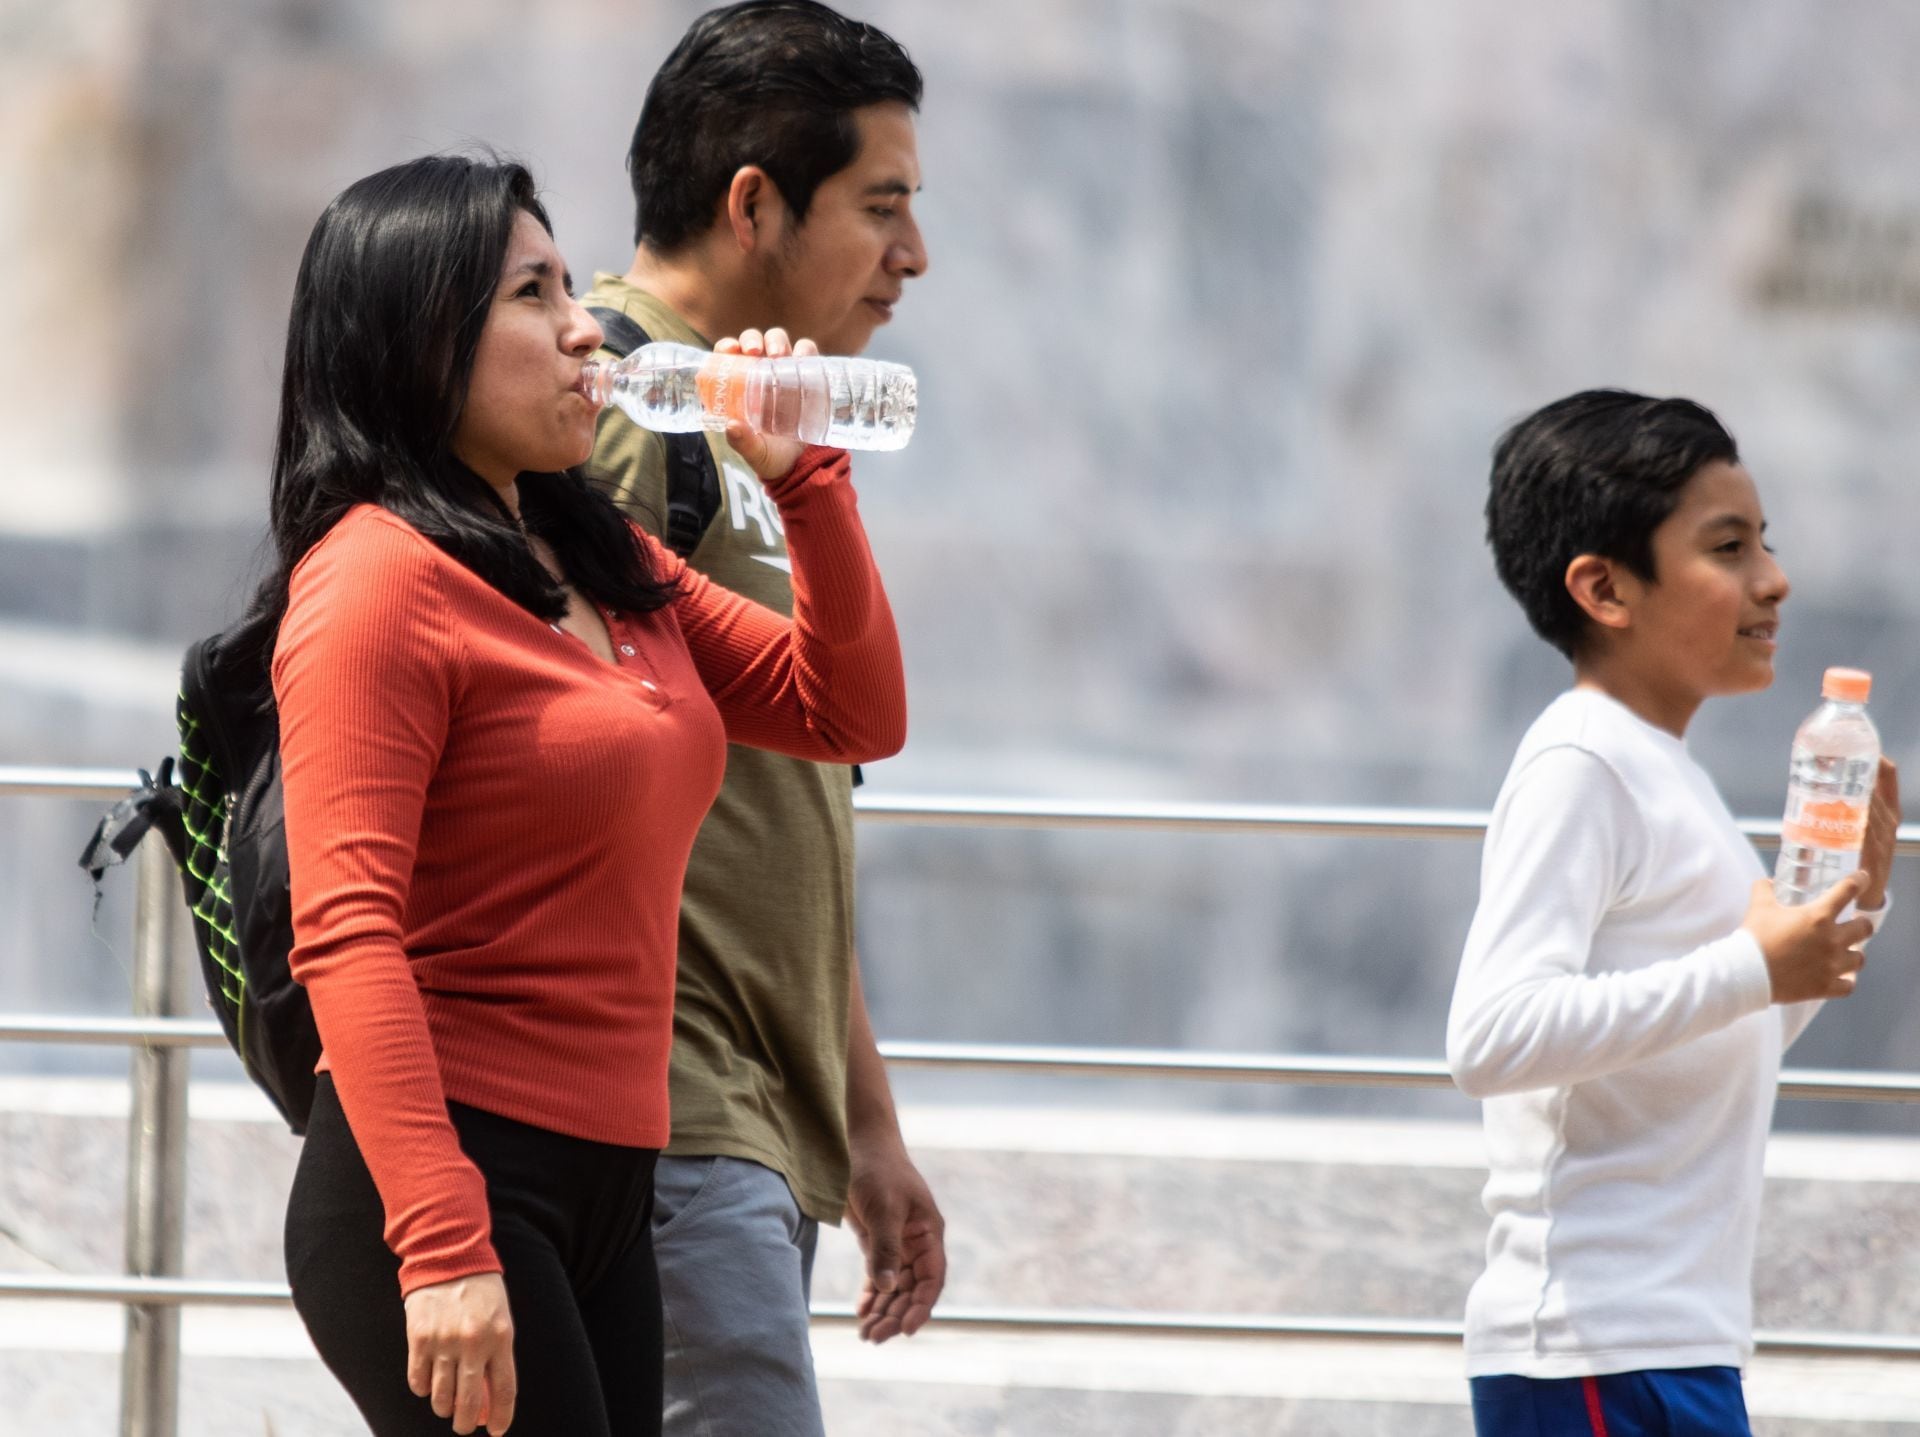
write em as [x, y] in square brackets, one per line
[1828, 796]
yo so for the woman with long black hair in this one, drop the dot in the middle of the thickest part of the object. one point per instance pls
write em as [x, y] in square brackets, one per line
[503, 713]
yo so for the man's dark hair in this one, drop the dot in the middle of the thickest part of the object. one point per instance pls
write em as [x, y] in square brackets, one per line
[1594, 473]
[772, 83]
[393, 292]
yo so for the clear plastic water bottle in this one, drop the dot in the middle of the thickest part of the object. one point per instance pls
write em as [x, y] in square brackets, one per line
[1836, 761]
[818, 398]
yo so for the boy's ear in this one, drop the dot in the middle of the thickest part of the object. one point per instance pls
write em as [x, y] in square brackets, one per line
[1601, 590]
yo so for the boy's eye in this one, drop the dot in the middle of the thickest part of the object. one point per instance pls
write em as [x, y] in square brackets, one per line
[884, 212]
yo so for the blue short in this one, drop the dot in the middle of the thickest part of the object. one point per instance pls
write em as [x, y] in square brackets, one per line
[1685, 1402]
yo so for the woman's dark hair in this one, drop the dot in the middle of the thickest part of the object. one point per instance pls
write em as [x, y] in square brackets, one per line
[393, 292]
[1594, 473]
[772, 83]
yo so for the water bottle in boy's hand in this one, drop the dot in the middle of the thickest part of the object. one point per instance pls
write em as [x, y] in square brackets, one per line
[1836, 759]
[818, 398]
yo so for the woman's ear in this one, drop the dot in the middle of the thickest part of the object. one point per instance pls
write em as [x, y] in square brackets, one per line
[1603, 592]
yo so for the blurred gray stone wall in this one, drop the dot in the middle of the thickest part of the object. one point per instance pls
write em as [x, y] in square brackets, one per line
[1227, 305]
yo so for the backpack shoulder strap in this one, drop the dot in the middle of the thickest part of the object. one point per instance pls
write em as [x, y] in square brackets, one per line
[693, 482]
[620, 334]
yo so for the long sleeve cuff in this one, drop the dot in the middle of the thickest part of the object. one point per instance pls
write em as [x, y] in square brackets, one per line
[816, 465]
[1747, 971]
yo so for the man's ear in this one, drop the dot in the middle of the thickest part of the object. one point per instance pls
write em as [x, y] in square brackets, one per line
[1603, 589]
[754, 208]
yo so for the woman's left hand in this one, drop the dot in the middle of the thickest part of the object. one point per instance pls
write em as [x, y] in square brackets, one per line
[770, 456]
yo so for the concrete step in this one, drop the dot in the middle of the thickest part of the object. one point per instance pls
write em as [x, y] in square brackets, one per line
[1075, 1208]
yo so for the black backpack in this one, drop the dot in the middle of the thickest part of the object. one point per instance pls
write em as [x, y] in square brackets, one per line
[231, 847]
[224, 822]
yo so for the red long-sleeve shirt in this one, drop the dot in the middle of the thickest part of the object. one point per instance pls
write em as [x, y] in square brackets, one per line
[488, 825]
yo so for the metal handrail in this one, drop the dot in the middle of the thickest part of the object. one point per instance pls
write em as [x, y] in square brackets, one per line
[179, 1292]
[1784, 1342]
[169, 1292]
[92, 1032]
[153, 1292]
[1306, 820]
[1310, 1070]
[1838, 1085]
[963, 811]
[34, 781]
[156, 1222]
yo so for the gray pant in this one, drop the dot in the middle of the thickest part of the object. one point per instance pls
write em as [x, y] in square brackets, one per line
[736, 1263]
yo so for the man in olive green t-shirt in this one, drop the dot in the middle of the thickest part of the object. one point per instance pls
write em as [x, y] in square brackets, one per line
[773, 170]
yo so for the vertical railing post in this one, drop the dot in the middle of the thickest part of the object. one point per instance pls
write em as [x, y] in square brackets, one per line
[156, 1157]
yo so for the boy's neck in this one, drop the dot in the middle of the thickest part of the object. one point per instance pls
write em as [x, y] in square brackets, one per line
[1642, 694]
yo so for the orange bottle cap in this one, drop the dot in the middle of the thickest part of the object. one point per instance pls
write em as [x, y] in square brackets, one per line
[1849, 686]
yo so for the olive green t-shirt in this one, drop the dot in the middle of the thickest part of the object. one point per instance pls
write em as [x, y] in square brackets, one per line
[759, 1065]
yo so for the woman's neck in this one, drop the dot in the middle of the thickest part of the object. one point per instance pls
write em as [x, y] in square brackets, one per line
[509, 495]
[506, 486]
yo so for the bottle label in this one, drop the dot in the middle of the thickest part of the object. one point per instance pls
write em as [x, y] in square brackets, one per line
[722, 383]
[1833, 824]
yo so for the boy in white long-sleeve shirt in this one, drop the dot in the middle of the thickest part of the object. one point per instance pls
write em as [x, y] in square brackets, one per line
[1629, 982]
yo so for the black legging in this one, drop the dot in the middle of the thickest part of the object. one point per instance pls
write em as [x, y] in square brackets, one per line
[572, 1224]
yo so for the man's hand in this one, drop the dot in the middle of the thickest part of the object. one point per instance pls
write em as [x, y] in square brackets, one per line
[460, 1351]
[769, 457]
[1883, 827]
[892, 1212]
[1810, 953]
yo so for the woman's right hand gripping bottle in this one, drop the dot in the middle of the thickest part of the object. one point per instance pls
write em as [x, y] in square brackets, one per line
[1836, 760]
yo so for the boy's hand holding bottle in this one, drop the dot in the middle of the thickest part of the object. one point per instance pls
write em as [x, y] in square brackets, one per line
[1810, 951]
[1843, 815]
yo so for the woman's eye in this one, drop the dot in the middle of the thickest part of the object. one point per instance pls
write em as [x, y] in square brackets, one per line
[530, 288]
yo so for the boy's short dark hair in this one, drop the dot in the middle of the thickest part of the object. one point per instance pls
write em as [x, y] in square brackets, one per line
[1594, 473]
[771, 83]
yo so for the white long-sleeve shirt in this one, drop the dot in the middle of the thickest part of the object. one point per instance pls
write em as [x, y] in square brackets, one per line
[1617, 1021]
